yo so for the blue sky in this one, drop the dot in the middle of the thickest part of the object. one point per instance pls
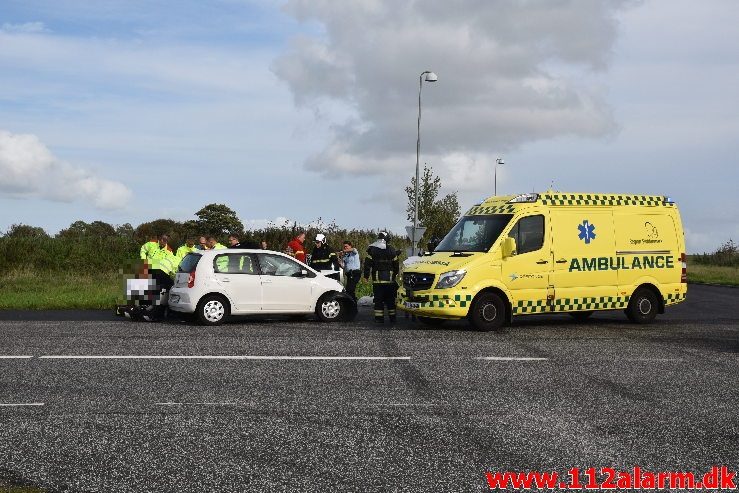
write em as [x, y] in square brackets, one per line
[131, 111]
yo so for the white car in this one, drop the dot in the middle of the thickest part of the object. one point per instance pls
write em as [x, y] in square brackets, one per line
[214, 284]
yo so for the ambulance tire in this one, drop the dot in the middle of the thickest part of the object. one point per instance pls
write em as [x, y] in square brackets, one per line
[580, 316]
[643, 306]
[488, 312]
[433, 322]
[213, 309]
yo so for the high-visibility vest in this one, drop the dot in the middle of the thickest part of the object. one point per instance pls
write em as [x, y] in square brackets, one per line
[148, 250]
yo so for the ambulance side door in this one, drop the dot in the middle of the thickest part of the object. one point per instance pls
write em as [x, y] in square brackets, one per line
[526, 274]
[585, 268]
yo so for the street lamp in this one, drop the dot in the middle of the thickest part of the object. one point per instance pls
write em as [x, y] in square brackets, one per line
[495, 183]
[428, 76]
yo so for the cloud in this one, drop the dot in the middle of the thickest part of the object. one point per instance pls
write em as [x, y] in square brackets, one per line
[25, 28]
[510, 74]
[29, 169]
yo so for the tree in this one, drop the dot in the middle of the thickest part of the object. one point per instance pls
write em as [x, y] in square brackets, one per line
[158, 227]
[218, 220]
[438, 216]
[97, 229]
[125, 230]
[25, 231]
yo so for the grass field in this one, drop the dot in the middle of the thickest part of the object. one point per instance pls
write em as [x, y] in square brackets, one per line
[713, 274]
[28, 290]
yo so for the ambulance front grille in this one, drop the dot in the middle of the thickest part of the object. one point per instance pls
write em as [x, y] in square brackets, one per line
[417, 281]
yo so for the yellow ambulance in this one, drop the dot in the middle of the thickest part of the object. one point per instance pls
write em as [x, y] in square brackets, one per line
[549, 253]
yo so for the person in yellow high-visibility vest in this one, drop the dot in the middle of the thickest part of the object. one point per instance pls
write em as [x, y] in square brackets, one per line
[222, 261]
[188, 247]
[150, 248]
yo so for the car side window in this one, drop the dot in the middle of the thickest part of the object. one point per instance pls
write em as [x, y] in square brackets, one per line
[277, 265]
[528, 233]
[235, 263]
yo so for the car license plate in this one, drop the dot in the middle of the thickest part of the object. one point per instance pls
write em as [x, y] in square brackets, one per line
[409, 304]
[174, 298]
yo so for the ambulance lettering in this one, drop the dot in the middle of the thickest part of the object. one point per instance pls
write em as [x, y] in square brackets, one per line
[585, 264]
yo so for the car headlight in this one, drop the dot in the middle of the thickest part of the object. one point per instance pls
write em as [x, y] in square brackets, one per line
[450, 279]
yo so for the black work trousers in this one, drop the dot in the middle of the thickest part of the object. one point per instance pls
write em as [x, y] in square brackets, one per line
[352, 278]
[384, 298]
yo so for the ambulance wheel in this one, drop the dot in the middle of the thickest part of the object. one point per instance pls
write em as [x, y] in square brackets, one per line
[487, 312]
[643, 306]
[434, 322]
[581, 316]
[212, 310]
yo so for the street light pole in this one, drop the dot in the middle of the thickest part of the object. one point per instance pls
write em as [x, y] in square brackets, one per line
[429, 77]
[495, 178]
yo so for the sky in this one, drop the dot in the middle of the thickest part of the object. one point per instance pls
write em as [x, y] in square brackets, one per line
[128, 111]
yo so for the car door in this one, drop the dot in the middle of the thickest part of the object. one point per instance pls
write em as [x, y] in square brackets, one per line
[527, 273]
[237, 274]
[284, 287]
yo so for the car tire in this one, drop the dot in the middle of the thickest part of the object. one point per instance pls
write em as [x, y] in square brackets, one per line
[433, 322]
[487, 313]
[580, 316]
[643, 306]
[331, 309]
[213, 309]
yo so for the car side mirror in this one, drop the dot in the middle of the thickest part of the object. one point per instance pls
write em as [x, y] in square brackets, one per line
[509, 247]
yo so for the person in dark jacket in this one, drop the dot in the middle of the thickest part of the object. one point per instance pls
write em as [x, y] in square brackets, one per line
[381, 266]
[323, 257]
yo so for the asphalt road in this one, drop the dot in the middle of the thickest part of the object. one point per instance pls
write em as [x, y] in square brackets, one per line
[303, 406]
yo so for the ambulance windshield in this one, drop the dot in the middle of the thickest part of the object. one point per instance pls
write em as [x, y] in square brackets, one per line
[474, 233]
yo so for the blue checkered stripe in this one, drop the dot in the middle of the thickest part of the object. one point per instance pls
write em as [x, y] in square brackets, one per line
[492, 209]
[602, 199]
[672, 299]
[570, 304]
[441, 300]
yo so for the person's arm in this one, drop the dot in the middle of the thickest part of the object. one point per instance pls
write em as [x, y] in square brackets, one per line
[368, 263]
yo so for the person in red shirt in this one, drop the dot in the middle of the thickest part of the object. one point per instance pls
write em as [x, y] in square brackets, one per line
[298, 247]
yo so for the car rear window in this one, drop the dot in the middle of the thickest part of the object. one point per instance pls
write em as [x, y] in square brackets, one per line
[189, 263]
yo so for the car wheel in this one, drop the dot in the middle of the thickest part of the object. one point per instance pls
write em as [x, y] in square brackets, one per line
[434, 322]
[580, 316]
[487, 312]
[643, 306]
[213, 310]
[330, 309]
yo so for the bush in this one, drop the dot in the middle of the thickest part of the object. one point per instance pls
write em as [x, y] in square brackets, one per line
[726, 255]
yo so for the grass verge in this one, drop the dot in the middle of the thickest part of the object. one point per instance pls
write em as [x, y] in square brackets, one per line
[29, 290]
[713, 274]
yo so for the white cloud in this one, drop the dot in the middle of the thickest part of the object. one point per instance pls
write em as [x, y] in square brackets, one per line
[29, 169]
[26, 28]
[509, 74]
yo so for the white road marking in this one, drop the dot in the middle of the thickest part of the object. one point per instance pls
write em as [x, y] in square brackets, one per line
[658, 360]
[227, 357]
[20, 404]
[510, 358]
[16, 357]
[196, 403]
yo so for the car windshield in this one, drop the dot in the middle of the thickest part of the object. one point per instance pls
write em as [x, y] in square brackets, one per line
[189, 263]
[474, 233]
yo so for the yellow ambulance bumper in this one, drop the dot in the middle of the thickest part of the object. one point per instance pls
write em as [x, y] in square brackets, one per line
[436, 303]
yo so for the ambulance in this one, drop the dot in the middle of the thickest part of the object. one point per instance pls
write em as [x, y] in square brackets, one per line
[552, 252]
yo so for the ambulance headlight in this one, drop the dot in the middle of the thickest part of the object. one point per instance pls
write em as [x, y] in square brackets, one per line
[450, 279]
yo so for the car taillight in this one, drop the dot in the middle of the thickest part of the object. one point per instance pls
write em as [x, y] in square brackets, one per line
[191, 280]
[684, 261]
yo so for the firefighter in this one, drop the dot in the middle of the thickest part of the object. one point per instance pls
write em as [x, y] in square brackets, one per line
[381, 266]
[297, 245]
[323, 257]
[188, 247]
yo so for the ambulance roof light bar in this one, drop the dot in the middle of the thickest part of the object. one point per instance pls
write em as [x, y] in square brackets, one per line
[524, 198]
